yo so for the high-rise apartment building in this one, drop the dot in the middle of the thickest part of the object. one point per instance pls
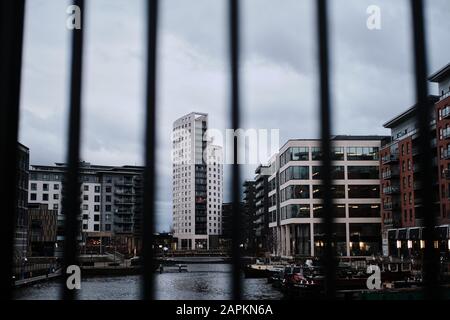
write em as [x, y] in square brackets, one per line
[197, 184]
[296, 197]
[111, 201]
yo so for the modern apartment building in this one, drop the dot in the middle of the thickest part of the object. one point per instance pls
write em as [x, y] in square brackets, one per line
[296, 197]
[401, 191]
[442, 108]
[197, 184]
[21, 230]
[111, 201]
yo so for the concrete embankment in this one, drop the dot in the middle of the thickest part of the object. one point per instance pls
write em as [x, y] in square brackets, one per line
[37, 279]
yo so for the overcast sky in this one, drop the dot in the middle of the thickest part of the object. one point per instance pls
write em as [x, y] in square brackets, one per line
[372, 74]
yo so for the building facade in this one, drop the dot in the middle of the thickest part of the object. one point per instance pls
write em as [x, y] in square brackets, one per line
[42, 230]
[442, 110]
[296, 197]
[111, 202]
[197, 184]
[21, 230]
[261, 217]
[401, 190]
[250, 209]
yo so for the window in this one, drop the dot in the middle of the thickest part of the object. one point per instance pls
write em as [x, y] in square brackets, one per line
[338, 191]
[295, 211]
[363, 191]
[107, 227]
[97, 189]
[337, 153]
[85, 207]
[33, 196]
[85, 226]
[337, 172]
[97, 217]
[55, 196]
[108, 189]
[316, 153]
[45, 197]
[56, 186]
[96, 208]
[362, 153]
[295, 173]
[55, 206]
[33, 186]
[86, 187]
[108, 198]
[363, 172]
[96, 198]
[96, 227]
[45, 187]
[295, 154]
[338, 209]
[364, 210]
[294, 192]
[108, 208]
[85, 217]
[86, 197]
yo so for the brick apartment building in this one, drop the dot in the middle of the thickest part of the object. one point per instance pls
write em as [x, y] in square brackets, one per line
[401, 192]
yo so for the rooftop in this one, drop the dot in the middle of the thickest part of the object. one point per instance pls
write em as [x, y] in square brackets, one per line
[86, 166]
[344, 138]
[441, 74]
[409, 113]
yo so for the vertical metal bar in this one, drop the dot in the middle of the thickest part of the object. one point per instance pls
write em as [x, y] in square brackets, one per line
[11, 37]
[325, 132]
[71, 200]
[150, 147]
[235, 123]
[431, 258]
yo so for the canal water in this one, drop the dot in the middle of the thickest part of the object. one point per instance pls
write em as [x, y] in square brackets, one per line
[201, 282]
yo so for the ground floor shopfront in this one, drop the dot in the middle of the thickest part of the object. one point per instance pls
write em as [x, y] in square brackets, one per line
[307, 238]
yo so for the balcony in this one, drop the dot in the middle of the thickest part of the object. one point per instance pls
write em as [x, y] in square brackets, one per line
[445, 114]
[390, 158]
[446, 154]
[389, 206]
[123, 211]
[123, 192]
[123, 220]
[446, 174]
[123, 183]
[391, 174]
[391, 190]
[446, 133]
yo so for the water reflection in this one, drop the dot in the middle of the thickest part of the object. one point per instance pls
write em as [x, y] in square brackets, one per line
[202, 282]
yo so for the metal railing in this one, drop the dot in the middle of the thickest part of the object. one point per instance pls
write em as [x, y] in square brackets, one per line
[12, 21]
